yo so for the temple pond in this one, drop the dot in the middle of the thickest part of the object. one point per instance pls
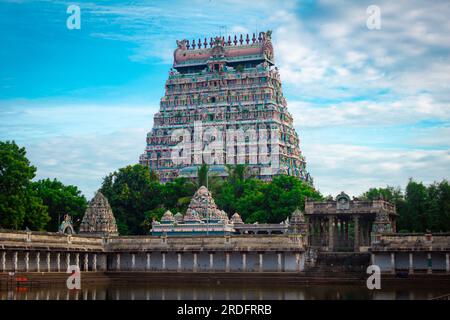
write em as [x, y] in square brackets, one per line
[220, 292]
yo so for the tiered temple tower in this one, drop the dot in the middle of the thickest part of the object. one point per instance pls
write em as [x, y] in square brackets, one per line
[99, 219]
[230, 85]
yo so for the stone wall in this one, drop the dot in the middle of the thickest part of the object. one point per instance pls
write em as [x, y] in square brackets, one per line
[54, 252]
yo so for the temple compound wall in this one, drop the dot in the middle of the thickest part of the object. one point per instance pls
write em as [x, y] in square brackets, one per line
[53, 252]
[50, 252]
[411, 253]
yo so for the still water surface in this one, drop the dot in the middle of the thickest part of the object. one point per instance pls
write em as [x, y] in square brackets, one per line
[219, 292]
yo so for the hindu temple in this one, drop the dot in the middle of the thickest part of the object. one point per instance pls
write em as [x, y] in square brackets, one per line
[203, 217]
[224, 97]
[99, 218]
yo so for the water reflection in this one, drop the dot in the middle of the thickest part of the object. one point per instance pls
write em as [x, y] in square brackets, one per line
[216, 292]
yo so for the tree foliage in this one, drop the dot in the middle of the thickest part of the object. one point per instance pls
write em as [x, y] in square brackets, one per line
[131, 191]
[60, 199]
[137, 197]
[419, 207]
[20, 207]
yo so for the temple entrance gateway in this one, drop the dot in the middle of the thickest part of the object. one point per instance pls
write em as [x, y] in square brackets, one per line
[348, 225]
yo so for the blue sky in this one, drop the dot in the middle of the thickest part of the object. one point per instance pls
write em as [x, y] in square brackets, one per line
[371, 106]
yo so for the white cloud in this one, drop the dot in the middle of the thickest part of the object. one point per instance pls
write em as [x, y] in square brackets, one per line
[410, 110]
[355, 169]
[83, 160]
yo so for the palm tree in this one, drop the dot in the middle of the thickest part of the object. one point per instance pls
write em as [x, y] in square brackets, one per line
[237, 175]
[211, 181]
[202, 175]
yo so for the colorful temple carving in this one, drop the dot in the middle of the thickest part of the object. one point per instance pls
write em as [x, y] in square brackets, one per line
[204, 218]
[232, 90]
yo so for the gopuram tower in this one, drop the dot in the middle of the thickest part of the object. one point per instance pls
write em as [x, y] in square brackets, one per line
[223, 104]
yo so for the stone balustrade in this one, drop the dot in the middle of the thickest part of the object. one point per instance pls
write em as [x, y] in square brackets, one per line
[236, 243]
[412, 242]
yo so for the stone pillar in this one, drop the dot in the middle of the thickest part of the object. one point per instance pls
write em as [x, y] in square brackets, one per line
[430, 263]
[244, 261]
[392, 262]
[118, 262]
[447, 263]
[330, 233]
[194, 266]
[38, 261]
[356, 232]
[361, 232]
[339, 232]
[86, 262]
[260, 262]
[346, 231]
[148, 261]
[372, 258]
[411, 263]
[94, 262]
[211, 261]
[163, 258]
[4, 261]
[279, 267]
[227, 262]
[179, 261]
[297, 261]
[107, 267]
[27, 261]
[77, 259]
[133, 261]
[68, 259]
[15, 260]
[49, 261]
[58, 261]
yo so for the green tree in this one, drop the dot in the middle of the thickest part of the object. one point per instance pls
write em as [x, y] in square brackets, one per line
[132, 191]
[420, 208]
[416, 198]
[391, 194]
[236, 177]
[177, 194]
[437, 210]
[208, 179]
[19, 206]
[444, 206]
[60, 199]
[270, 202]
[202, 175]
[396, 197]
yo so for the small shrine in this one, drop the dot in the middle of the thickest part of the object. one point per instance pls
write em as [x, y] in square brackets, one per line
[99, 219]
[201, 218]
[66, 226]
